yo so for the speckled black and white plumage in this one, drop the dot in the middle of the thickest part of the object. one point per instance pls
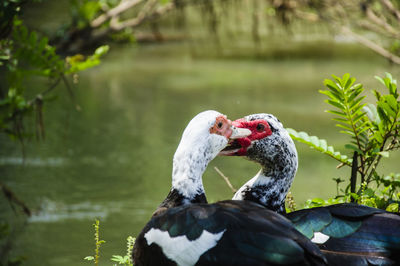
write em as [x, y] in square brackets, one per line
[196, 149]
[278, 157]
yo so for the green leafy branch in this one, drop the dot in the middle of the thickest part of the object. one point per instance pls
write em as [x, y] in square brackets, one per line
[25, 54]
[320, 145]
[374, 133]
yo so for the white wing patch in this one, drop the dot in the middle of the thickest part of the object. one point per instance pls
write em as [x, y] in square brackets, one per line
[180, 249]
[319, 238]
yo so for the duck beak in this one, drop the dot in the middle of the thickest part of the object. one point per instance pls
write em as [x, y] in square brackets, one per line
[238, 133]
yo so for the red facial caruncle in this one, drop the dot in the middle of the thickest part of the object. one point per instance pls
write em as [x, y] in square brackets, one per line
[259, 129]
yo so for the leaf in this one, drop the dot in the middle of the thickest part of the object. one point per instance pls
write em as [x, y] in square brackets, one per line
[352, 147]
[393, 207]
[33, 38]
[354, 196]
[348, 132]
[380, 80]
[354, 94]
[382, 114]
[371, 113]
[358, 117]
[345, 127]
[102, 50]
[369, 192]
[336, 113]
[332, 86]
[377, 94]
[347, 81]
[387, 109]
[392, 102]
[318, 201]
[88, 258]
[77, 63]
[331, 94]
[342, 120]
[355, 103]
[320, 145]
[336, 104]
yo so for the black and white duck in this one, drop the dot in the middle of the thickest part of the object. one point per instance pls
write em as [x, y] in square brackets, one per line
[347, 234]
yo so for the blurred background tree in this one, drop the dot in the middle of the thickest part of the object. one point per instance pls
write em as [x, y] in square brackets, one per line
[373, 23]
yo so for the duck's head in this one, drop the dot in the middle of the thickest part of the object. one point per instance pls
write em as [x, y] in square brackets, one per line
[204, 137]
[268, 144]
[209, 131]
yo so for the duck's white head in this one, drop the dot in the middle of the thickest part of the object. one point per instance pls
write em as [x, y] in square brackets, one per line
[204, 137]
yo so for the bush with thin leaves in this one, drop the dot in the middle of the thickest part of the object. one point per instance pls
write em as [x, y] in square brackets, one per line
[374, 133]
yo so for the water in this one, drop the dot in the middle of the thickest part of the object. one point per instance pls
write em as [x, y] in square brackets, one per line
[112, 160]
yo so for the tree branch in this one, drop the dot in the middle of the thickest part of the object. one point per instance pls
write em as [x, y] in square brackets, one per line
[375, 28]
[226, 180]
[374, 18]
[371, 45]
[12, 198]
[122, 7]
[395, 12]
[142, 17]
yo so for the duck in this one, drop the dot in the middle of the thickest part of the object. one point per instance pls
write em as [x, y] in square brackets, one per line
[346, 233]
[186, 230]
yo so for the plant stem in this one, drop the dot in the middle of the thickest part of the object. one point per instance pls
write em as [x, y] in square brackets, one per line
[353, 178]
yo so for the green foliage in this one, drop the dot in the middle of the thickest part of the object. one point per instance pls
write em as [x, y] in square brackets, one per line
[374, 132]
[79, 63]
[5, 235]
[122, 260]
[25, 54]
[318, 202]
[98, 244]
[290, 204]
[318, 144]
[127, 259]
[98, 241]
[83, 11]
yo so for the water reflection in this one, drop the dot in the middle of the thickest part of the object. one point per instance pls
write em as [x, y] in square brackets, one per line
[51, 211]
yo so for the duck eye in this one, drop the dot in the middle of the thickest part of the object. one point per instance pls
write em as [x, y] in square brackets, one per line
[219, 124]
[260, 127]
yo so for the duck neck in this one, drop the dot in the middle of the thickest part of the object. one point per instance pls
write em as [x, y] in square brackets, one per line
[270, 186]
[187, 184]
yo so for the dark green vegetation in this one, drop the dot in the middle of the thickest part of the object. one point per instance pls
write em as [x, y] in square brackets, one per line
[112, 159]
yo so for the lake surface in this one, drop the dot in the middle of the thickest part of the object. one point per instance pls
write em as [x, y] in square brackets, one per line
[113, 159]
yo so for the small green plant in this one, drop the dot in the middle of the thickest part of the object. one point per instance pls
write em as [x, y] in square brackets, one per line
[127, 259]
[98, 243]
[290, 203]
[374, 133]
